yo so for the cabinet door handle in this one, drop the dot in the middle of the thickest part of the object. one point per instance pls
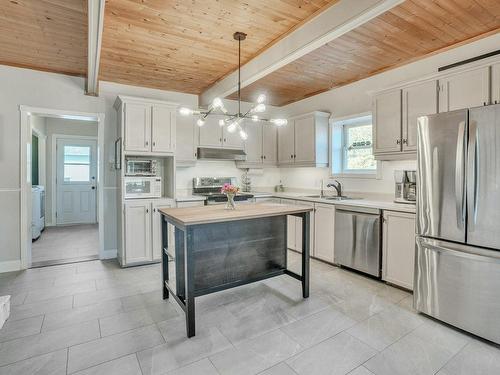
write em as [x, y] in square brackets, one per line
[405, 141]
[398, 141]
[147, 143]
[154, 143]
[294, 156]
[147, 210]
[220, 139]
[291, 156]
[264, 156]
[224, 139]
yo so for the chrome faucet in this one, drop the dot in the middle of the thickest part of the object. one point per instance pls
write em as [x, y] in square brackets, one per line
[337, 186]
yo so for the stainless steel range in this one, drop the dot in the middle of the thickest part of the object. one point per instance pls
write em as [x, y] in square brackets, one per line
[210, 187]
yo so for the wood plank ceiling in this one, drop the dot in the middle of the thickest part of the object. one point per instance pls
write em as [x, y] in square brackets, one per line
[188, 45]
[409, 31]
[48, 35]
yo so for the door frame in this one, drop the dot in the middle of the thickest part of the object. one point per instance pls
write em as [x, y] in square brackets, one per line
[25, 151]
[53, 162]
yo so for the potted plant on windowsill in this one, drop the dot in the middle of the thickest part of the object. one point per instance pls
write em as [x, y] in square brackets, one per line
[230, 191]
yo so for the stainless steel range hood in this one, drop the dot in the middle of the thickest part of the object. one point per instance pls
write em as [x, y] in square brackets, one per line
[206, 153]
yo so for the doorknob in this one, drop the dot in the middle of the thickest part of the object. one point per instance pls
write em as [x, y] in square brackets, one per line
[93, 187]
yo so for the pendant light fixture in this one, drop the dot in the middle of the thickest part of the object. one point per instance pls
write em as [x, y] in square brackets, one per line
[233, 122]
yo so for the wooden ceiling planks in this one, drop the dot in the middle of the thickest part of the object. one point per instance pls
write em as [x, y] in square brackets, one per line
[48, 35]
[188, 45]
[410, 31]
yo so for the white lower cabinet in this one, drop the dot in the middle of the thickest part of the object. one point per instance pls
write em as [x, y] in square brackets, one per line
[398, 256]
[142, 242]
[137, 232]
[324, 225]
[294, 227]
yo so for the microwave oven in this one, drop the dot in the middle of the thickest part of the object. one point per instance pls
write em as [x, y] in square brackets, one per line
[140, 167]
[142, 187]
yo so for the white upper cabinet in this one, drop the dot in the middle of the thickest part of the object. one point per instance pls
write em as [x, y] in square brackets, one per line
[304, 133]
[398, 248]
[418, 100]
[495, 83]
[137, 126]
[464, 90]
[286, 143]
[270, 144]
[231, 140]
[261, 145]
[253, 145]
[304, 141]
[185, 135]
[387, 122]
[211, 133]
[163, 128]
[147, 126]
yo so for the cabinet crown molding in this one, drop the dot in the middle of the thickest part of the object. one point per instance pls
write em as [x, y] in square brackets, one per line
[120, 99]
[438, 75]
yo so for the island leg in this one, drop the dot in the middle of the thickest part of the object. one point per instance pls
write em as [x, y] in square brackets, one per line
[164, 256]
[189, 281]
[305, 253]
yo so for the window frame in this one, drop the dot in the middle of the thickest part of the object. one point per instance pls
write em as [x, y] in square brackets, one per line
[338, 147]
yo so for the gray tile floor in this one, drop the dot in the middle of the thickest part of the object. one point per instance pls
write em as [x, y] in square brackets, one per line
[96, 318]
[65, 243]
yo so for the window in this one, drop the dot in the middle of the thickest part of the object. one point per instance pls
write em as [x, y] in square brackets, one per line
[352, 148]
[76, 163]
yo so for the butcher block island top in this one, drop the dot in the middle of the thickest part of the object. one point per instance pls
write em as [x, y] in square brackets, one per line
[187, 216]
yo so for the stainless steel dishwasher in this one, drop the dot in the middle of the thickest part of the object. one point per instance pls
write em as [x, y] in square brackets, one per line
[358, 239]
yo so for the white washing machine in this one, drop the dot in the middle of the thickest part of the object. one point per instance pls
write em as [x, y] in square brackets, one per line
[37, 211]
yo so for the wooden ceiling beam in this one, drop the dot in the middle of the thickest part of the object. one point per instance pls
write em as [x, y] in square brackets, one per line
[335, 21]
[95, 25]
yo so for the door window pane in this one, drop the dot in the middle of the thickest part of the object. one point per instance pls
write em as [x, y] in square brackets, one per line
[76, 163]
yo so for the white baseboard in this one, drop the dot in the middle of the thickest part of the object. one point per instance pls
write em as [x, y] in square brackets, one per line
[109, 254]
[9, 266]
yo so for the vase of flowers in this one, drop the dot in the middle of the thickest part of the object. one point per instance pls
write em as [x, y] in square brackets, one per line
[230, 191]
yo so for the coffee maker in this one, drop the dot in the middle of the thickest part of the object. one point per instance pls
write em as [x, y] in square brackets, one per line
[405, 186]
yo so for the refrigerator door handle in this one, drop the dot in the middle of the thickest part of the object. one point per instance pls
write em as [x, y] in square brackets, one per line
[460, 176]
[472, 180]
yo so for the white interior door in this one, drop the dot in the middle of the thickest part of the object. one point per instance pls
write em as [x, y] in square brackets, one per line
[76, 182]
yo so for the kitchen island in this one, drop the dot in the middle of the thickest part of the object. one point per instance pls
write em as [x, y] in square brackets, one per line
[217, 249]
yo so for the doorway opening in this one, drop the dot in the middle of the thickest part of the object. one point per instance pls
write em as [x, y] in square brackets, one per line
[62, 194]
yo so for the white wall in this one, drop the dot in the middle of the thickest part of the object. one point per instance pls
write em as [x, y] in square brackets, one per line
[64, 127]
[38, 124]
[356, 98]
[55, 91]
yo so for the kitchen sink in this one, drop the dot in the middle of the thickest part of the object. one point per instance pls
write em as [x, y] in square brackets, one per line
[331, 198]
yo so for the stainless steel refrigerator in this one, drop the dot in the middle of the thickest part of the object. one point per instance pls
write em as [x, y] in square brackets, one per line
[457, 260]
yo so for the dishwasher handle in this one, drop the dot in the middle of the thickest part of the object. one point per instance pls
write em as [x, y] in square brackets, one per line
[358, 210]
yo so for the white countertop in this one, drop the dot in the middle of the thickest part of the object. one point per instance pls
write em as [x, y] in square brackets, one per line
[380, 201]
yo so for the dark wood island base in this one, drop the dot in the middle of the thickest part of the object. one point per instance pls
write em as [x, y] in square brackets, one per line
[216, 249]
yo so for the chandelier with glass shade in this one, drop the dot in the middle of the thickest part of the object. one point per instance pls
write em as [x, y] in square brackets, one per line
[234, 121]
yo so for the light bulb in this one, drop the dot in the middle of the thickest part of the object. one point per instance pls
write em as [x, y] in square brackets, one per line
[260, 107]
[232, 127]
[255, 118]
[261, 98]
[217, 103]
[222, 123]
[185, 111]
[243, 135]
[200, 122]
[279, 121]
